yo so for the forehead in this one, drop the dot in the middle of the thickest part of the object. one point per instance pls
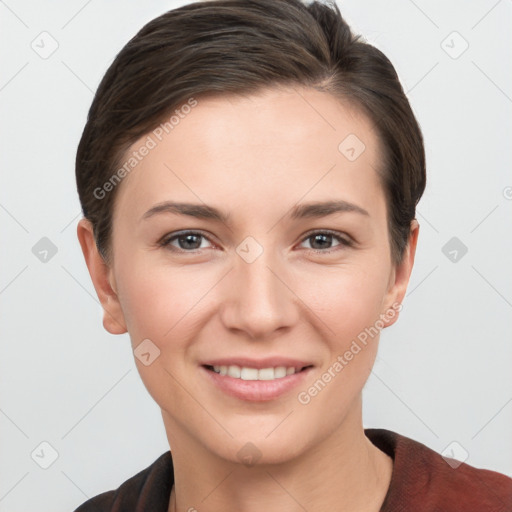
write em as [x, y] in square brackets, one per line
[278, 118]
[273, 147]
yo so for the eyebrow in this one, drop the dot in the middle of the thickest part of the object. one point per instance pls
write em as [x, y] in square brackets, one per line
[202, 211]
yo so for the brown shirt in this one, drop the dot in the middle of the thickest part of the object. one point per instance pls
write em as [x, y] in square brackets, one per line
[422, 481]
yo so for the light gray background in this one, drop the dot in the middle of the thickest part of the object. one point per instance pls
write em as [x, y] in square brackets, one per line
[443, 372]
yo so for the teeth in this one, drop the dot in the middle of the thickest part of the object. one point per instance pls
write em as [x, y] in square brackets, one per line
[234, 371]
[246, 373]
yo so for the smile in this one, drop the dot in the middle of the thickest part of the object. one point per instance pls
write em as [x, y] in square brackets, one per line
[249, 384]
[247, 373]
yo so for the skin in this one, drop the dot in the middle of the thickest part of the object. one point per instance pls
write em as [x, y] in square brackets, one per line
[256, 157]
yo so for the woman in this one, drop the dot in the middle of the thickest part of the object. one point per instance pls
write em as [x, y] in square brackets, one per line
[249, 174]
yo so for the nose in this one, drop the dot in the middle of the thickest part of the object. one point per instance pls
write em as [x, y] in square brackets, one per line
[259, 297]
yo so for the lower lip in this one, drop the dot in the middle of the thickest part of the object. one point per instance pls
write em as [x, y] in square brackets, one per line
[256, 390]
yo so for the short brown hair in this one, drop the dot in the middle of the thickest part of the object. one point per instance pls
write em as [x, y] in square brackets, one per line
[239, 47]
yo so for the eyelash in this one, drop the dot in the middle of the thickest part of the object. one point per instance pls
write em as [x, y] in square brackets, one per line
[343, 241]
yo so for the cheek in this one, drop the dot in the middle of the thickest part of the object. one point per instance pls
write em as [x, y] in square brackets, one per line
[347, 300]
[159, 301]
[162, 305]
[349, 307]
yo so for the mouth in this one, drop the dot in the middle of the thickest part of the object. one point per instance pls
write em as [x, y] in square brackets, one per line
[249, 373]
[256, 384]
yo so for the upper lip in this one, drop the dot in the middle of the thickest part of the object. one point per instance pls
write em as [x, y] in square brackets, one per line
[268, 362]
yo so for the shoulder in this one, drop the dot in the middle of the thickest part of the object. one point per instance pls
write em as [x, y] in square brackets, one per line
[149, 489]
[426, 481]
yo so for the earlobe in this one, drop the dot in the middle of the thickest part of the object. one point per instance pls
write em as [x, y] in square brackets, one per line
[402, 274]
[103, 279]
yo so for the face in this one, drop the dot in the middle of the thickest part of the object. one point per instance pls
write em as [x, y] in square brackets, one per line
[267, 275]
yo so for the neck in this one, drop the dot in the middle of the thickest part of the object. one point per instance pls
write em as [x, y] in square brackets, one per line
[345, 472]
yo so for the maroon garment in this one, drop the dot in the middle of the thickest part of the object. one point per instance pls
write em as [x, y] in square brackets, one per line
[422, 481]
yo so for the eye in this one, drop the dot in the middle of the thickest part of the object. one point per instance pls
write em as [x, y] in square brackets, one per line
[322, 239]
[188, 241]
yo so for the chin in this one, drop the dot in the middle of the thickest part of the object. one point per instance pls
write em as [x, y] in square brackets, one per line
[258, 450]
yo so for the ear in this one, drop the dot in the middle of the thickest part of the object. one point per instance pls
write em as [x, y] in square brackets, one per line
[103, 279]
[399, 279]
